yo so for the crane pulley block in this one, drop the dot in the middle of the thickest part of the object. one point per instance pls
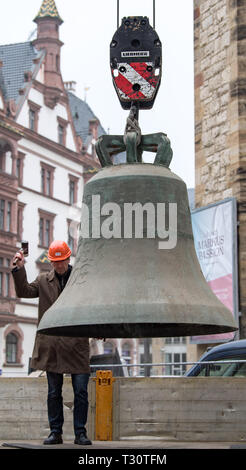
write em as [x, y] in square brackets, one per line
[136, 61]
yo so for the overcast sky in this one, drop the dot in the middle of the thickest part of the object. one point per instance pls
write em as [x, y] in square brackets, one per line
[87, 31]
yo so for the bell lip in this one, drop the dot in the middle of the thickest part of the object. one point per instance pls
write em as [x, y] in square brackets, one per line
[133, 169]
[137, 330]
[126, 320]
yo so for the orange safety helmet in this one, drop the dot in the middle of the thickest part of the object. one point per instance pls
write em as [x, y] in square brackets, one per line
[58, 251]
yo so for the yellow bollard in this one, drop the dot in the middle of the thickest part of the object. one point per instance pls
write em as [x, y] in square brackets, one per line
[104, 405]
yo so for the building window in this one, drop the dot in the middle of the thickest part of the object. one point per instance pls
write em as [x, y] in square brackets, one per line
[11, 348]
[108, 348]
[20, 213]
[7, 284]
[18, 164]
[175, 368]
[2, 213]
[9, 211]
[5, 215]
[5, 279]
[73, 189]
[31, 119]
[6, 154]
[1, 284]
[33, 115]
[62, 131]
[71, 192]
[19, 167]
[60, 134]
[47, 179]
[176, 340]
[126, 353]
[46, 222]
[145, 353]
[2, 157]
[44, 232]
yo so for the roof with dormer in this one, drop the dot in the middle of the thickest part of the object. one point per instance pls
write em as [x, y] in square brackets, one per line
[82, 114]
[17, 59]
[48, 9]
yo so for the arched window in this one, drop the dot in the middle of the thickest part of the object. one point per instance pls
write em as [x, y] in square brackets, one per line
[11, 348]
[108, 348]
[126, 352]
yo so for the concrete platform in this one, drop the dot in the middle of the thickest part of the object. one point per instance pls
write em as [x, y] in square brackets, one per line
[124, 444]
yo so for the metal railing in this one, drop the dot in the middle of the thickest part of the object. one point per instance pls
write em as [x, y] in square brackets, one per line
[145, 365]
[168, 364]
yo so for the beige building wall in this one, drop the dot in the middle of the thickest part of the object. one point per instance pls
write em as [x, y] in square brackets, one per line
[216, 106]
[220, 115]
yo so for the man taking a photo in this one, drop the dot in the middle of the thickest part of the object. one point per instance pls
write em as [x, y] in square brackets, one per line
[57, 355]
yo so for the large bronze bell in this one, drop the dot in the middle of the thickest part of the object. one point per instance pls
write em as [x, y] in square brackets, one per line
[136, 276]
[133, 284]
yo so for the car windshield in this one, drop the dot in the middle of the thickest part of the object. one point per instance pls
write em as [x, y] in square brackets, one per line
[225, 370]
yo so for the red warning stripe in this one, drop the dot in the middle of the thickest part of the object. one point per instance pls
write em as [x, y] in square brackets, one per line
[124, 85]
[141, 68]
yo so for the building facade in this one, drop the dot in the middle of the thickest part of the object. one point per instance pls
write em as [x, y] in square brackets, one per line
[47, 153]
[220, 115]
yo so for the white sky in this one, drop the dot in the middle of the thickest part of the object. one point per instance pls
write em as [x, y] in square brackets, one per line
[87, 31]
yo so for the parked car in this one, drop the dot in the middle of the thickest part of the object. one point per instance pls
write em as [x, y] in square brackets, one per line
[224, 352]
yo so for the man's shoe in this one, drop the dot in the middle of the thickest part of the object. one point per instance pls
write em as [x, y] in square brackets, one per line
[82, 440]
[53, 438]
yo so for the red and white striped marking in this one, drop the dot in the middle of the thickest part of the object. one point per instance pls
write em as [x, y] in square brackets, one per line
[136, 73]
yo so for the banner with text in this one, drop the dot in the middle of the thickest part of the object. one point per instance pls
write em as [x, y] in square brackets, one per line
[214, 230]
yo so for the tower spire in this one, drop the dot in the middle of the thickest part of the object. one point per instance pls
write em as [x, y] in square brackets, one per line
[48, 21]
[48, 9]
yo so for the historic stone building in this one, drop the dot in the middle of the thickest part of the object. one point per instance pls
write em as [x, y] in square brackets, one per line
[47, 153]
[220, 114]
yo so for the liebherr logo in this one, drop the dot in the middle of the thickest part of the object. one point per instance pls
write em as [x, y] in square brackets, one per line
[135, 54]
[130, 220]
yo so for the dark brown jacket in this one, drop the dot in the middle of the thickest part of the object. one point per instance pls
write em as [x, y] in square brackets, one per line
[52, 353]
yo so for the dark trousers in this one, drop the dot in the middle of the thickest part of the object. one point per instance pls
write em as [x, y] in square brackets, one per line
[55, 402]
